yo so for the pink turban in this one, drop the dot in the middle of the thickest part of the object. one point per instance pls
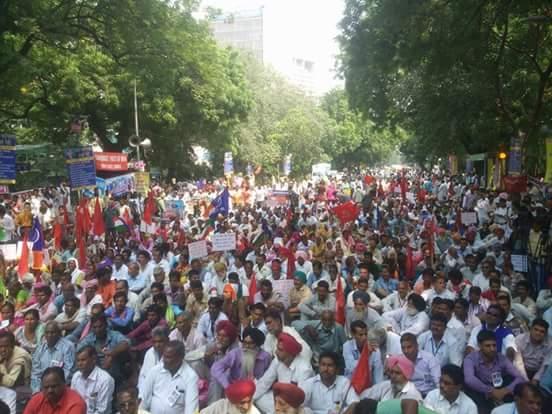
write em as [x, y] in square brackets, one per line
[405, 365]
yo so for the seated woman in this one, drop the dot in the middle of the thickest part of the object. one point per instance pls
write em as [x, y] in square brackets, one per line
[30, 334]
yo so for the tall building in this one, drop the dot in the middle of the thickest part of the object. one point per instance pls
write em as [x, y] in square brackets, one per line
[242, 30]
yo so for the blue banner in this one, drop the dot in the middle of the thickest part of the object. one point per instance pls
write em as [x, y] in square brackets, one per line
[116, 186]
[8, 167]
[228, 163]
[515, 157]
[81, 167]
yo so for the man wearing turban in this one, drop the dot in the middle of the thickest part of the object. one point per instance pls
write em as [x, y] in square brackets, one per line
[288, 398]
[286, 368]
[361, 312]
[247, 361]
[400, 370]
[239, 400]
[298, 294]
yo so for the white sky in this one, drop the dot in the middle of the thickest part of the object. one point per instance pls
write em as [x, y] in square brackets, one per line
[297, 28]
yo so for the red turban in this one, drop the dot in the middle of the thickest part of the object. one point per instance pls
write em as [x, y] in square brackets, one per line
[239, 390]
[290, 393]
[289, 344]
[229, 329]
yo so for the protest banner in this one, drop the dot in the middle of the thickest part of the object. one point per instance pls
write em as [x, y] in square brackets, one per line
[224, 242]
[8, 168]
[173, 209]
[282, 287]
[277, 198]
[142, 182]
[81, 167]
[198, 249]
[111, 161]
[468, 218]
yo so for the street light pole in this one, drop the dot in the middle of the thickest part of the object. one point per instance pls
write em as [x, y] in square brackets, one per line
[136, 120]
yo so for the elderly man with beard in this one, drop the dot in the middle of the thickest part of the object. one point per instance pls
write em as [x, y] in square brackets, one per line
[411, 318]
[398, 386]
[286, 367]
[239, 400]
[361, 312]
[248, 361]
[226, 335]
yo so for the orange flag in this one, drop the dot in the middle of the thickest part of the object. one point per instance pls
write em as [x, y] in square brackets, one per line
[362, 377]
[252, 290]
[339, 302]
[23, 265]
[58, 234]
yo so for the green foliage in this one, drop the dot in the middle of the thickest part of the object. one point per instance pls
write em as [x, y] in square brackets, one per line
[459, 76]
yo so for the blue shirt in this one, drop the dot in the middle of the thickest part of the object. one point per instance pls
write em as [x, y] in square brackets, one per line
[351, 354]
[427, 372]
[389, 285]
[113, 338]
[122, 322]
[138, 283]
[62, 355]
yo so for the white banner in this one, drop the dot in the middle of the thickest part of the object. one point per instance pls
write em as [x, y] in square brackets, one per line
[197, 249]
[224, 242]
[468, 218]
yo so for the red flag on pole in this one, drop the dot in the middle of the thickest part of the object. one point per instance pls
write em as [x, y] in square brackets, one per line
[99, 225]
[149, 208]
[58, 234]
[23, 265]
[362, 377]
[346, 212]
[252, 290]
[409, 265]
[82, 251]
[339, 302]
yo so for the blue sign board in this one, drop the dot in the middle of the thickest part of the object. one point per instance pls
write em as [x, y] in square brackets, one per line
[7, 159]
[81, 167]
[515, 158]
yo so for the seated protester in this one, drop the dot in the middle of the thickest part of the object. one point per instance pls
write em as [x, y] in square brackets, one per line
[449, 397]
[455, 328]
[15, 368]
[298, 294]
[388, 343]
[544, 299]
[196, 302]
[385, 285]
[186, 333]
[44, 304]
[494, 322]
[323, 335]
[54, 351]
[210, 319]
[146, 300]
[176, 289]
[459, 286]
[495, 286]
[481, 280]
[353, 348]
[470, 270]
[528, 399]
[287, 367]
[313, 307]
[257, 314]
[333, 273]
[120, 269]
[71, 316]
[424, 283]
[478, 305]
[535, 346]
[112, 347]
[513, 319]
[363, 286]
[128, 401]
[67, 292]
[318, 273]
[132, 298]
[93, 384]
[438, 290]
[398, 386]
[440, 344]
[490, 376]
[29, 336]
[239, 399]
[523, 289]
[247, 361]
[159, 339]
[120, 316]
[397, 299]
[361, 312]
[288, 398]
[427, 370]
[168, 311]
[461, 307]
[141, 335]
[412, 319]
[136, 280]
[268, 297]
[84, 328]
[106, 286]
[219, 280]
[327, 390]
[55, 396]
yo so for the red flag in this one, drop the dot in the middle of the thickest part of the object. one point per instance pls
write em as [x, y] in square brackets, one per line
[422, 195]
[404, 187]
[126, 218]
[99, 225]
[23, 265]
[252, 290]
[58, 234]
[82, 251]
[149, 208]
[362, 377]
[369, 180]
[339, 302]
[346, 212]
[409, 265]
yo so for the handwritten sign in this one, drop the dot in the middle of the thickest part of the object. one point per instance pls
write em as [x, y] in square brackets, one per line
[282, 287]
[197, 249]
[9, 251]
[468, 218]
[224, 242]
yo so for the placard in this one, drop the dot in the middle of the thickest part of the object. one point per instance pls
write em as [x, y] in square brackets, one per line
[519, 262]
[468, 218]
[198, 249]
[9, 251]
[111, 161]
[283, 286]
[224, 242]
[142, 182]
[4, 189]
[8, 168]
[81, 167]
[174, 208]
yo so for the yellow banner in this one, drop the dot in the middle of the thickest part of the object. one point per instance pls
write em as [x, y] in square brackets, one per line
[142, 181]
[548, 176]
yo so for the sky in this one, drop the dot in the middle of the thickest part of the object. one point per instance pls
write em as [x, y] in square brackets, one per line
[297, 28]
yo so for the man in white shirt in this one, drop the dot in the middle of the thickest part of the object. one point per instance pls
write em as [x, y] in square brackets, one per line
[93, 384]
[528, 399]
[159, 339]
[449, 398]
[120, 270]
[171, 387]
[7, 225]
[397, 300]
[206, 326]
[411, 318]
[438, 343]
[327, 390]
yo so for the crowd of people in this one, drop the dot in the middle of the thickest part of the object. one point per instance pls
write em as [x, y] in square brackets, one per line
[380, 291]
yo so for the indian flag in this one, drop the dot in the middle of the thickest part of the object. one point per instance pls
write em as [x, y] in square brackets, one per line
[120, 226]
